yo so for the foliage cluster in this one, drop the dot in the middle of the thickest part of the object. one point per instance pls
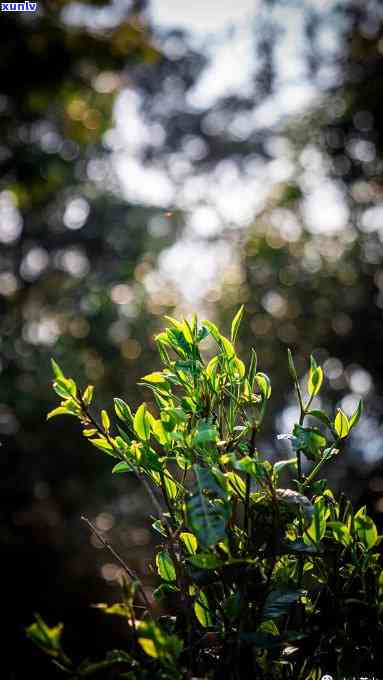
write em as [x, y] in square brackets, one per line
[257, 579]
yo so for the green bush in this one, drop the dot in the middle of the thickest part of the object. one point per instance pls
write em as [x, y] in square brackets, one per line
[257, 580]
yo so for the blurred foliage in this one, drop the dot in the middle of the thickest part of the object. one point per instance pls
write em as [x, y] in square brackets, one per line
[70, 252]
[78, 264]
[308, 288]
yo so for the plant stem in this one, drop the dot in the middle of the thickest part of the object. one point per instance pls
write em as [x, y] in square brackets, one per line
[248, 485]
[132, 575]
[318, 466]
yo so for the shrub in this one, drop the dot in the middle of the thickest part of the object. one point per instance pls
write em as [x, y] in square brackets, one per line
[257, 580]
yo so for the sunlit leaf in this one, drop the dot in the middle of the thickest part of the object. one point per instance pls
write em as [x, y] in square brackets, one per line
[122, 467]
[365, 528]
[235, 324]
[88, 395]
[123, 411]
[57, 370]
[356, 415]
[190, 542]
[341, 424]
[263, 382]
[340, 532]
[202, 610]
[165, 566]
[141, 423]
[105, 421]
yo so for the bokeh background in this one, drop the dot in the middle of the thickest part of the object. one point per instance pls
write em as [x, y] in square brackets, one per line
[164, 157]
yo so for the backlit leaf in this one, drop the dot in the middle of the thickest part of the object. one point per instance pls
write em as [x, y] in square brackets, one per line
[165, 566]
[202, 610]
[141, 423]
[341, 424]
[190, 542]
[236, 323]
[315, 378]
[105, 421]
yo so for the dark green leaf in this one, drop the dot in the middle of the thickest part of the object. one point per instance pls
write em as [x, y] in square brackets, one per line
[278, 603]
[308, 440]
[205, 561]
[207, 509]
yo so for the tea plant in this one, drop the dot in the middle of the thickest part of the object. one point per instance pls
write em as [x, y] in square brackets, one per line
[258, 580]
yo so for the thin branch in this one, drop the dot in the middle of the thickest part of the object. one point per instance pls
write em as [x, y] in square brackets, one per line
[132, 575]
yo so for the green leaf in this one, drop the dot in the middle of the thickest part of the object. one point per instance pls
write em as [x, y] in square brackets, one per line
[158, 378]
[317, 529]
[315, 378]
[365, 528]
[252, 368]
[227, 347]
[48, 638]
[292, 366]
[212, 366]
[123, 411]
[214, 332]
[205, 561]
[165, 566]
[202, 610]
[89, 432]
[141, 423]
[340, 532]
[205, 432]
[148, 646]
[156, 643]
[88, 395]
[282, 464]
[236, 483]
[236, 323]
[232, 606]
[356, 415]
[65, 387]
[105, 446]
[60, 411]
[263, 382]
[308, 440]
[105, 421]
[159, 431]
[122, 467]
[190, 542]
[256, 468]
[57, 372]
[278, 603]
[341, 424]
[159, 527]
[116, 609]
[207, 509]
[172, 487]
[239, 367]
